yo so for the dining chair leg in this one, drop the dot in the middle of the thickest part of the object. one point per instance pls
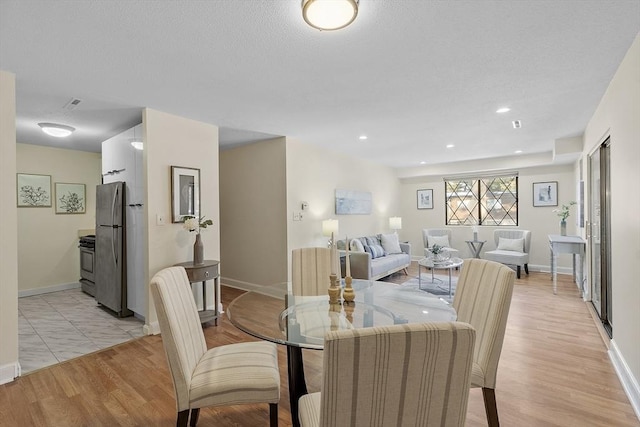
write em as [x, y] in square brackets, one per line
[183, 418]
[490, 407]
[195, 413]
[273, 414]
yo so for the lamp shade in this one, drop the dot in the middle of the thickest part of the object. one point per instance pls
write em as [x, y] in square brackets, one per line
[329, 226]
[329, 14]
[395, 223]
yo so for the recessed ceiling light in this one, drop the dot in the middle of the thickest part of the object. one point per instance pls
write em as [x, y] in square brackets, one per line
[423, 162]
[363, 137]
[329, 15]
[54, 129]
[450, 145]
[503, 110]
[518, 151]
[516, 124]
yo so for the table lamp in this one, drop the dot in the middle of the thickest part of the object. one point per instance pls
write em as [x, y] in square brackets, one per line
[395, 223]
[330, 229]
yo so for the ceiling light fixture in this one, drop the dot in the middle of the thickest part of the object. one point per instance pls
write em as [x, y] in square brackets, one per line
[450, 145]
[518, 151]
[362, 137]
[53, 129]
[503, 110]
[423, 162]
[328, 15]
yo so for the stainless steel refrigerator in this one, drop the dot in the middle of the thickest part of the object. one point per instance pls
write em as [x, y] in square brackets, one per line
[110, 269]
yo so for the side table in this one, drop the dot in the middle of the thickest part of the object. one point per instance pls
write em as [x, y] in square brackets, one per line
[475, 246]
[201, 273]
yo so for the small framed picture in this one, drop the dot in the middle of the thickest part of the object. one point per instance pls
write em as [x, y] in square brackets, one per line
[70, 198]
[34, 190]
[185, 193]
[545, 193]
[425, 199]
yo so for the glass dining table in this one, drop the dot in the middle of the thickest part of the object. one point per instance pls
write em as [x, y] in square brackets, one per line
[301, 322]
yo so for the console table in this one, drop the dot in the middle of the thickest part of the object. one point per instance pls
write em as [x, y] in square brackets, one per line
[201, 273]
[574, 245]
[475, 246]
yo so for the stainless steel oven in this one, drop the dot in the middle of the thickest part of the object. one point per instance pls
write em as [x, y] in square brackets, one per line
[87, 264]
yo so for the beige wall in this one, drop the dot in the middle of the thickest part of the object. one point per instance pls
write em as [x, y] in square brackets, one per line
[8, 231]
[618, 116]
[541, 221]
[313, 175]
[175, 141]
[48, 243]
[253, 210]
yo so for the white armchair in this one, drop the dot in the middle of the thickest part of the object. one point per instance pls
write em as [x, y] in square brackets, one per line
[432, 236]
[512, 248]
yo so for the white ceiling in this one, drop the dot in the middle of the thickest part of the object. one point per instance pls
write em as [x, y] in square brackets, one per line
[413, 76]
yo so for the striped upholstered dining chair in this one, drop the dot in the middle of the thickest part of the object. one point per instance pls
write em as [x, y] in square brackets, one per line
[310, 269]
[400, 375]
[482, 299]
[226, 375]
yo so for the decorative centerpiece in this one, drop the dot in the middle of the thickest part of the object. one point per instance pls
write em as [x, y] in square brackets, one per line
[348, 294]
[439, 254]
[563, 213]
[191, 223]
[334, 286]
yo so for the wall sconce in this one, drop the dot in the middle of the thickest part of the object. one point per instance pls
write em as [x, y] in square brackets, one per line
[330, 229]
[395, 223]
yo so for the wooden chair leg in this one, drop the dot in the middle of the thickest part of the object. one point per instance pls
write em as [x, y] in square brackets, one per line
[195, 413]
[273, 414]
[490, 407]
[518, 271]
[183, 418]
[526, 269]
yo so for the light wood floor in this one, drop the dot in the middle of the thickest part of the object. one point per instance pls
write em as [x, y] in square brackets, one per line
[554, 371]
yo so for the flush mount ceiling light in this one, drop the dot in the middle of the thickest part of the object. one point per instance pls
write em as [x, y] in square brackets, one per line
[503, 110]
[362, 137]
[328, 15]
[54, 129]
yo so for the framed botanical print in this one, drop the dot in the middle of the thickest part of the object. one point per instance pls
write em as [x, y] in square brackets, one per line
[425, 199]
[33, 190]
[545, 193]
[70, 198]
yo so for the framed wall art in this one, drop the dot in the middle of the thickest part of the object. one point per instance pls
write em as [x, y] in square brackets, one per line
[352, 202]
[70, 198]
[545, 193]
[33, 190]
[185, 193]
[425, 199]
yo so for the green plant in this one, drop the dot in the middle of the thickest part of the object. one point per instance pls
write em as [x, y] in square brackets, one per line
[436, 249]
[563, 212]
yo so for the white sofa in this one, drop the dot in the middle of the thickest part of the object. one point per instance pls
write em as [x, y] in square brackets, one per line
[364, 265]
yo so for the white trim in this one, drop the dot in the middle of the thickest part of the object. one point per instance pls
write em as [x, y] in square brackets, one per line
[48, 289]
[151, 329]
[10, 372]
[628, 381]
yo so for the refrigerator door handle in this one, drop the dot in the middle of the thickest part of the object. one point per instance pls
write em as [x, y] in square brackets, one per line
[114, 230]
[113, 205]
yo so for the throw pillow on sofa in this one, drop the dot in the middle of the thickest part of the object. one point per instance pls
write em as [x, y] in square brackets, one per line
[356, 245]
[390, 243]
[376, 251]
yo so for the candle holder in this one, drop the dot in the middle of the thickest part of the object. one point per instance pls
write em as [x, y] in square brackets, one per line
[348, 310]
[348, 294]
[334, 289]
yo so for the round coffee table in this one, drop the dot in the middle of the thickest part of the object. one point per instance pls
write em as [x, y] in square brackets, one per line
[449, 265]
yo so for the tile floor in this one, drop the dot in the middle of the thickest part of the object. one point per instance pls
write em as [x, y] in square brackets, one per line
[59, 326]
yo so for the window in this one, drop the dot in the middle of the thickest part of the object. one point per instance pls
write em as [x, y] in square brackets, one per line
[484, 201]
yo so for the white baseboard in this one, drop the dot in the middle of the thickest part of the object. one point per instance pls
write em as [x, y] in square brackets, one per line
[151, 329]
[629, 382]
[48, 289]
[10, 372]
[276, 291]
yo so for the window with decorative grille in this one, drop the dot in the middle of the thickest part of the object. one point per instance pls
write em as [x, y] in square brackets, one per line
[482, 201]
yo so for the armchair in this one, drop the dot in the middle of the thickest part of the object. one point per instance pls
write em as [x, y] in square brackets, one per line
[512, 248]
[432, 236]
